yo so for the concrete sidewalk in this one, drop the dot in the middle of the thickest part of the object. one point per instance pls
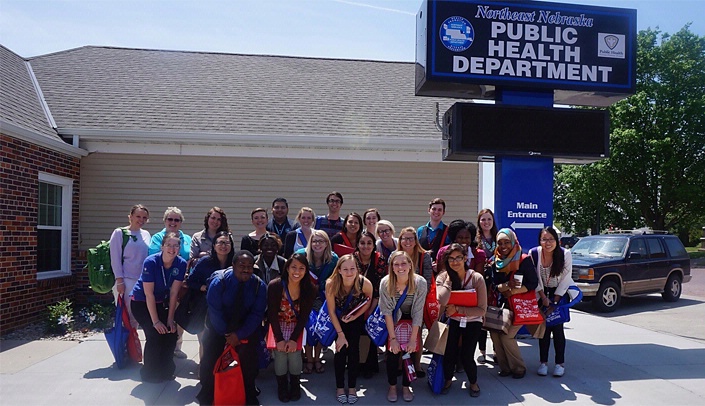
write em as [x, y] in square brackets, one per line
[607, 363]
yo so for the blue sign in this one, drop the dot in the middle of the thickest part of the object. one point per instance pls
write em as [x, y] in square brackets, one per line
[535, 45]
[524, 196]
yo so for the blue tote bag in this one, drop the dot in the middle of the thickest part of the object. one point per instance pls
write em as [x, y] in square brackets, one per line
[376, 325]
[116, 336]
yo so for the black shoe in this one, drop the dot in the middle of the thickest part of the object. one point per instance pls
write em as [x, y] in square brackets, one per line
[518, 375]
[504, 373]
[294, 387]
[420, 373]
[282, 388]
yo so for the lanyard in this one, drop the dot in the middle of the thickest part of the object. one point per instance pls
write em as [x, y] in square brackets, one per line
[468, 277]
[288, 297]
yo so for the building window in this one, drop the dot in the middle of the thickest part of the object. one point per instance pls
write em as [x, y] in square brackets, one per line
[54, 226]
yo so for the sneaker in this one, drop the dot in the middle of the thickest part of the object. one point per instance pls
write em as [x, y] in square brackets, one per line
[558, 371]
[543, 370]
[180, 354]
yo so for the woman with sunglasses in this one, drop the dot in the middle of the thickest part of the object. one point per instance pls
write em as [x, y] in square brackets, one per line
[321, 262]
[173, 219]
[387, 242]
[465, 323]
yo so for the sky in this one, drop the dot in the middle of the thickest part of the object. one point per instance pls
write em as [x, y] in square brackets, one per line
[350, 29]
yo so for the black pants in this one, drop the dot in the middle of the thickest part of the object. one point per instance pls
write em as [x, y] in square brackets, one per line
[482, 341]
[213, 345]
[349, 355]
[558, 342]
[393, 368]
[158, 357]
[470, 334]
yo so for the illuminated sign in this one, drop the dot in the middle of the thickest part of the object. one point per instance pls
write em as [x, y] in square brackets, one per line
[467, 48]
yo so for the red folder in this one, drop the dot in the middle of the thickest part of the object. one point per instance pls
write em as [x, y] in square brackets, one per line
[465, 298]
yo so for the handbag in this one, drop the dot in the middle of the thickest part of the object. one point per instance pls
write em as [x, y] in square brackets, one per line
[526, 308]
[376, 325]
[434, 372]
[437, 338]
[191, 312]
[311, 338]
[134, 346]
[402, 331]
[117, 335]
[229, 388]
[498, 319]
[561, 312]
[431, 308]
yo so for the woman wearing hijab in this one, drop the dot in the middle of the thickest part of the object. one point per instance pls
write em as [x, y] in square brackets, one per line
[509, 262]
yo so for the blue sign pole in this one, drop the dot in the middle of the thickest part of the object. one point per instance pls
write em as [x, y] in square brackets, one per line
[524, 185]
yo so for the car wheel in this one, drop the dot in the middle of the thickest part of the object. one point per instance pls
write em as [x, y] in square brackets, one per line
[608, 297]
[672, 290]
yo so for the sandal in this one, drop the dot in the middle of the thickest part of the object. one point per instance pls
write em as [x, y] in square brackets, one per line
[352, 398]
[308, 368]
[319, 367]
[474, 393]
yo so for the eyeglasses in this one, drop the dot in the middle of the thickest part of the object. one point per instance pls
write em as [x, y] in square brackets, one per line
[547, 240]
[223, 243]
[456, 259]
[385, 231]
[336, 201]
[174, 246]
[175, 220]
[407, 239]
[318, 241]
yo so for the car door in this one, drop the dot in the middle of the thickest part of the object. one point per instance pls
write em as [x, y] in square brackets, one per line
[659, 263]
[636, 273]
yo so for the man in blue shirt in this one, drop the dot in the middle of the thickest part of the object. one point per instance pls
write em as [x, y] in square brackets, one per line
[434, 234]
[236, 303]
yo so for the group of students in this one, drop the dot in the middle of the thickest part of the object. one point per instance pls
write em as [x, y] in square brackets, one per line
[286, 270]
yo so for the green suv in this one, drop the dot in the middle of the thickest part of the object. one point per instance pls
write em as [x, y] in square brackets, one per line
[607, 267]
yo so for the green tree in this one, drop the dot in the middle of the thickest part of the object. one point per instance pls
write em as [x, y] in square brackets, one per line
[655, 175]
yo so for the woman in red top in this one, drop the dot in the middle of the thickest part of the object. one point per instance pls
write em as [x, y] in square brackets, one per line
[289, 301]
[345, 241]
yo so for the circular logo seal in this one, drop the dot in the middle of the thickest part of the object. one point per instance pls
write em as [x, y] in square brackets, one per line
[457, 34]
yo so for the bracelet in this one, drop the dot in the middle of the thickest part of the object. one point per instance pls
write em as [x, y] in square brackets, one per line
[121, 283]
[340, 332]
[393, 339]
[155, 323]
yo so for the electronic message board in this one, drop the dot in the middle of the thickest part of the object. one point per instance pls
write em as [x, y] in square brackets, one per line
[468, 48]
[475, 132]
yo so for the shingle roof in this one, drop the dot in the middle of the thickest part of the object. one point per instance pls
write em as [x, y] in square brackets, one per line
[151, 90]
[19, 103]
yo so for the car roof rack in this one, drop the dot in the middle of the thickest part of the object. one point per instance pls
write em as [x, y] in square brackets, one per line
[639, 231]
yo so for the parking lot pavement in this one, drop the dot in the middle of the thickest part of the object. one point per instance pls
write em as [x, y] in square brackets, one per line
[607, 362]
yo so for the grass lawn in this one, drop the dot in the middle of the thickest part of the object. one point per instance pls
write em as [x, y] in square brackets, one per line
[695, 253]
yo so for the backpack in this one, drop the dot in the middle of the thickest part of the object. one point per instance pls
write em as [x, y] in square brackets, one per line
[100, 272]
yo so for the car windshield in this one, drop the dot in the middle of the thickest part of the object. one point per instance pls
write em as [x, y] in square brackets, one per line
[602, 247]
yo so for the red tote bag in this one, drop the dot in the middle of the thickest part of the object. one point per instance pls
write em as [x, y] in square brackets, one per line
[526, 308]
[134, 346]
[229, 386]
[431, 309]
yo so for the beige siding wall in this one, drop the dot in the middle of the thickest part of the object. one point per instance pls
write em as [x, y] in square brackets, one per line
[112, 183]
